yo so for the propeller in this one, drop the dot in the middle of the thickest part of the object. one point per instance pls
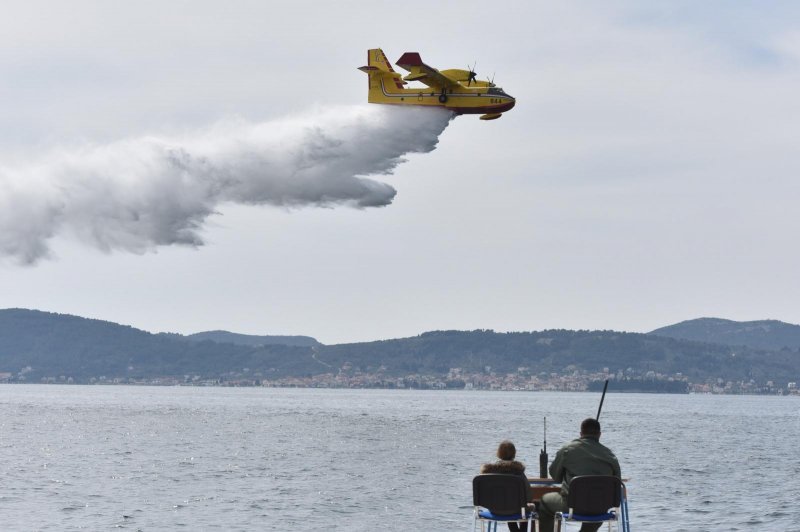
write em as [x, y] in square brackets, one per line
[472, 76]
[491, 81]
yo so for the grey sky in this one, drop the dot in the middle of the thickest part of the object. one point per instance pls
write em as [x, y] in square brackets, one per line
[648, 174]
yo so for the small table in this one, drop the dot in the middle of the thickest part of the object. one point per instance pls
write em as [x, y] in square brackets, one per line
[540, 486]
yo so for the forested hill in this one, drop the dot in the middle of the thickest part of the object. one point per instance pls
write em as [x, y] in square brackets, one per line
[562, 351]
[765, 334]
[39, 345]
[225, 337]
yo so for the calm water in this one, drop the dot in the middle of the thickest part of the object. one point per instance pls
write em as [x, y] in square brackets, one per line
[150, 458]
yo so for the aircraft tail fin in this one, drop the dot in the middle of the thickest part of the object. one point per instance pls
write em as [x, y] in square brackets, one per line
[382, 77]
[377, 59]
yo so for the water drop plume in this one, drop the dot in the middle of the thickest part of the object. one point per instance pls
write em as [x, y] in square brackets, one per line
[141, 193]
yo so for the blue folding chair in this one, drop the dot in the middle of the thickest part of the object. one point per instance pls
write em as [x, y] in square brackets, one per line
[592, 499]
[501, 499]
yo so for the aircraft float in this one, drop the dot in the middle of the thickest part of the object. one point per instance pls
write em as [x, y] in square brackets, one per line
[454, 89]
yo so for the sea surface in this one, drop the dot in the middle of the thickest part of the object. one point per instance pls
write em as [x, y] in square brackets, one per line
[181, 458]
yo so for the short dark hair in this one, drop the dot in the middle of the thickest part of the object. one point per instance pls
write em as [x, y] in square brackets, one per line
[590, 427]
[506, 450]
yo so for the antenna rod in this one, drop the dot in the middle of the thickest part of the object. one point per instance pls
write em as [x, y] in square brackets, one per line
[601, 400]
[543, 454]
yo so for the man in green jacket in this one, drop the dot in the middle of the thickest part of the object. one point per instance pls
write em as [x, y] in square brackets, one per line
[584, 456]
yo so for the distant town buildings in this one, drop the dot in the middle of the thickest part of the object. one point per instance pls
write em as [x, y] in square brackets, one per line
[523, 379]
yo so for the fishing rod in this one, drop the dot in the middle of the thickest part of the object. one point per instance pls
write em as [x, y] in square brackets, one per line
[603, 398]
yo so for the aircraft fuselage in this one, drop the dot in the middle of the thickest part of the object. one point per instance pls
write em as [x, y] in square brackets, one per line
[466, 100]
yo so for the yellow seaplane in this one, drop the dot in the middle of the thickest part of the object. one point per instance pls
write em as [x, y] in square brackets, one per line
[456, 90]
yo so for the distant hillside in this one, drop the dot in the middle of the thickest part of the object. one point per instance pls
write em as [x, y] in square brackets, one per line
[562, 351]
[225, 337]
[767, 334]
[42, 344]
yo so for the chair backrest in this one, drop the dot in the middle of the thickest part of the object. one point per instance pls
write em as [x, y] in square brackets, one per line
[594, 494]
[501, 494]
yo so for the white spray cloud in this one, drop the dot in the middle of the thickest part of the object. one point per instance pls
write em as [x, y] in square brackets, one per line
[137, 194]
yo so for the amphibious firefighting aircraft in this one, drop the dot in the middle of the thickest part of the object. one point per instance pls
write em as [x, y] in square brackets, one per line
[456, 90]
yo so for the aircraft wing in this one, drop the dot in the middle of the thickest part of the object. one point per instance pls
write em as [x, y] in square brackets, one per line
[423, 73]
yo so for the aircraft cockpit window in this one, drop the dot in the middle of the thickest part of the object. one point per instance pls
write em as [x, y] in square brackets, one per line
[496, 92]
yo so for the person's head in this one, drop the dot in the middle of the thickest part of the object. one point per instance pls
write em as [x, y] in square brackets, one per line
[506, 450]
[590, 427]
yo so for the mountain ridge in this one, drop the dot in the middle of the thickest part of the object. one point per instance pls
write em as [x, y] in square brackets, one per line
[223, 337]
[39, 346]
[760, 334]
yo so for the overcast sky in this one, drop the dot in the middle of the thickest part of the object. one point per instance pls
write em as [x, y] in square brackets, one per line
[650, 172]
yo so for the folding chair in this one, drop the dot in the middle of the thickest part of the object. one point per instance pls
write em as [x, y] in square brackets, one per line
[591, 499]
[501, 499]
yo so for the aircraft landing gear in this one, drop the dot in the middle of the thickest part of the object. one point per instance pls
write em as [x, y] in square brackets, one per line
[442, 97]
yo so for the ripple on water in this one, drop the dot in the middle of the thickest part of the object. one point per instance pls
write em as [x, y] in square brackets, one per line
[237, 459]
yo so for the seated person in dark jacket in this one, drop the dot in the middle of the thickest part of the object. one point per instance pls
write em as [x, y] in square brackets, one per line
[584, 456]
[506, 452]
